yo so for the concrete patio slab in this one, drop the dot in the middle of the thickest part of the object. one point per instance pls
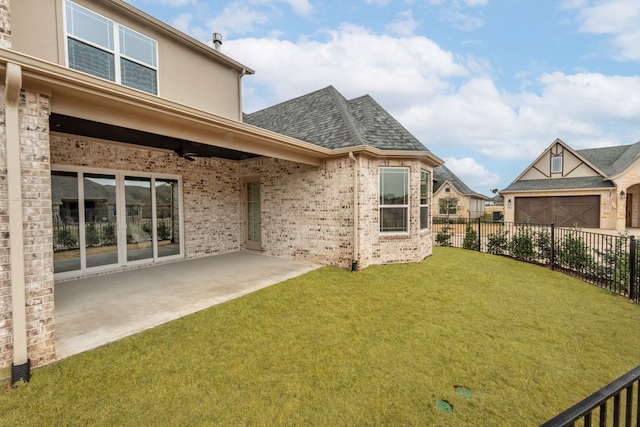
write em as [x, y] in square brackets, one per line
[94, 311]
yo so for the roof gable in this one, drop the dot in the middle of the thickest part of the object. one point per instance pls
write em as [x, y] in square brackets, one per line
[327, 119]
[442, 175]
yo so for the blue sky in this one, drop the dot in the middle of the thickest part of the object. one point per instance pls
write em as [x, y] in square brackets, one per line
[486, 85]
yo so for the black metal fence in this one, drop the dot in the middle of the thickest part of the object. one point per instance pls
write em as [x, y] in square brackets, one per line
[610, 406]
[608, 261]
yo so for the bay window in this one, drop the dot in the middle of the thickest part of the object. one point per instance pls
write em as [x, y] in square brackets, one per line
[394, 200]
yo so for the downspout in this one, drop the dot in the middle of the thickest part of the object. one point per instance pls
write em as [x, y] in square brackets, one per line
[356, 240]
[242, 74]
[21, 365]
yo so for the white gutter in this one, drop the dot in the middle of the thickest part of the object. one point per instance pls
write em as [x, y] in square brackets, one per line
[13, 83]
[356, 236]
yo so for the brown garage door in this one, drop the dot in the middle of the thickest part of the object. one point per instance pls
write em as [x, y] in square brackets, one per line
[563, 211]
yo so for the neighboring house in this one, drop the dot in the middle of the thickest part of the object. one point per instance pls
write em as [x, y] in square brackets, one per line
[452, 198]
[592, 188]
[123, 145]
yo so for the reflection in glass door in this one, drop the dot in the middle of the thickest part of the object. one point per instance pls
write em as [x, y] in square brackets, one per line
[139, 215]
[66, 221]
[105, 220]
[167, 217]
[100, 228]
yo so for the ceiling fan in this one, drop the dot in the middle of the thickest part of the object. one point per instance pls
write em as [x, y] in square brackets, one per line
[184, 154]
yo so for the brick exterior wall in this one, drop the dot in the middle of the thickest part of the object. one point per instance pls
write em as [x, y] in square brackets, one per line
[5, 24]
[38, 239]
[211, 189]
[307, 212]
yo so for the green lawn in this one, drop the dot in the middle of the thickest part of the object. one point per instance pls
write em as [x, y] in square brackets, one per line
[377, 347]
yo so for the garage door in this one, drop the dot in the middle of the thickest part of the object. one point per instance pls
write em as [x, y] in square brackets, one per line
[563, 211]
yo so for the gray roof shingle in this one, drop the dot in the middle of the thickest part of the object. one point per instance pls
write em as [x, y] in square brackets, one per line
[441, 174]
[328, 119]
[560, 184]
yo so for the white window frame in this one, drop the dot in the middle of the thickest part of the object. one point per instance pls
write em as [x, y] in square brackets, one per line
[556, 164]
[427, 203]
[121, 215]
[116, 51]
[405, 206]
[451, 208]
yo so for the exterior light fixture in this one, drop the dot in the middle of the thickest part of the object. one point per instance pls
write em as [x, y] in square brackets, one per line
[509, 203]
[622, 194]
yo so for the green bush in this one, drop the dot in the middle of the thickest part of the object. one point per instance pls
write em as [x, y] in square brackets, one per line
[574, 254]
[443, 237]
[497, 242]
[65, 240]
[471, 239]
[614, 263]
[91, 235]
[522, 243]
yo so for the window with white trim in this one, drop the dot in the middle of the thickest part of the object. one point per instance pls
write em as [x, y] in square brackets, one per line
[103, 48]
[424, 200]
[394, 200]
[556, 164]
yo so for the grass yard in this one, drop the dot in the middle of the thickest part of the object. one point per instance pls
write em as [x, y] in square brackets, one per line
[335, 348]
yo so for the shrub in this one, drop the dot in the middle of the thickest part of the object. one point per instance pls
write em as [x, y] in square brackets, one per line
[497, 243]
[614, 263]
[91, 235]
[471, 239]
[109, 234]
[522, 243]
[443, 237]
[574, 254]
[544, 244]
[65, 240]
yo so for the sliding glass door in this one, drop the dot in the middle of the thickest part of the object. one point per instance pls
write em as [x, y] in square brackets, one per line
[120, 219]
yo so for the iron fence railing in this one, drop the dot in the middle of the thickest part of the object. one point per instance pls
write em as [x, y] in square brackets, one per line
[608, 261]
[612, 405]
[66, 236]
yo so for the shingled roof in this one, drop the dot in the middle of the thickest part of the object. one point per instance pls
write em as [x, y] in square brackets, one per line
[611, 161]
[328, 119]
[442, 174]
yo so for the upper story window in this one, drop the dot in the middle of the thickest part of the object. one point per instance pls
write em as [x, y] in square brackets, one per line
[556, 164]
[447, 189]
[103, 48]
[394, 200]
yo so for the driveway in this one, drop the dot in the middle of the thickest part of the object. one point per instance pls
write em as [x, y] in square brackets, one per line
[94, 311]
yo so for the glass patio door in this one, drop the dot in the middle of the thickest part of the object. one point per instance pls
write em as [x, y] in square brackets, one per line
[253, 222]
[103, 221]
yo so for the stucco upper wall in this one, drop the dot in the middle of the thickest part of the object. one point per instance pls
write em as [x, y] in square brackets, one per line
[572, 165]
[194, 76]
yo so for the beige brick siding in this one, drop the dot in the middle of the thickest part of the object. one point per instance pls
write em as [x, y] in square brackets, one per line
[210, 187]
[5, 24]
[307, 212]
[36, 195]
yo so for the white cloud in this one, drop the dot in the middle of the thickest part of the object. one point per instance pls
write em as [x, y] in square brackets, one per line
[615, 18]
[472, 173]
[237, 18]
[446, 101]
[400, 71]
[405, 25]
[301, 7]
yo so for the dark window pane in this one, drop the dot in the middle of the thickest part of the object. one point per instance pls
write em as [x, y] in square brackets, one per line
[91, 60]
[138, 76]
[424, 217]
[393, 220]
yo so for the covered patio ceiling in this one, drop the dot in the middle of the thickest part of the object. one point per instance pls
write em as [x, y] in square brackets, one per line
[188, 149]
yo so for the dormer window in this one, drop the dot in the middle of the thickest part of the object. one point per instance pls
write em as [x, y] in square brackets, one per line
[103, 48]
[556, 164]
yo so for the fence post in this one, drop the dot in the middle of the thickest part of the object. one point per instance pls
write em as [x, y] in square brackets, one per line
[553, 247]
[632, 267]
[479, 235]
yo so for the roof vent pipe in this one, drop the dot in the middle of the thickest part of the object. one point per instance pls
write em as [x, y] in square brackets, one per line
[217, 41]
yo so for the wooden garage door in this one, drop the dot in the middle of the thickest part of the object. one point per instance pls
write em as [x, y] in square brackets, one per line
[563, 211]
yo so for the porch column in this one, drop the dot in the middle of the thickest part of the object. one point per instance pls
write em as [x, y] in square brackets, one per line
[621, 214]
[13, 85]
